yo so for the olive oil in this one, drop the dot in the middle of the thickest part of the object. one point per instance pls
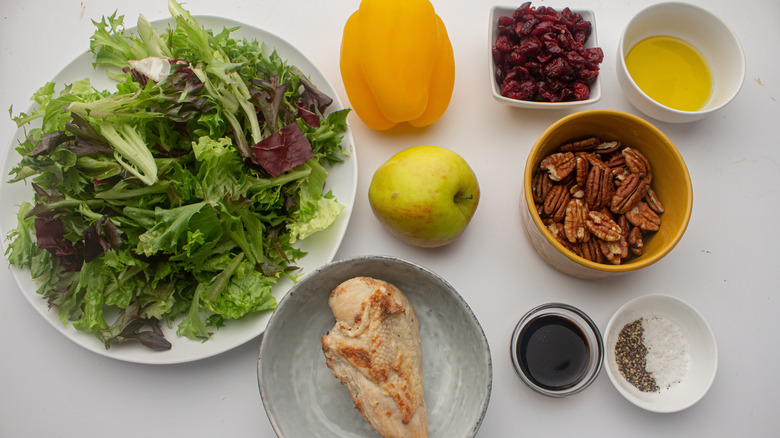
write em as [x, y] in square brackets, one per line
[670, 71]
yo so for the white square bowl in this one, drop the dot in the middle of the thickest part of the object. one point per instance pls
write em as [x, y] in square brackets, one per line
[595, 87]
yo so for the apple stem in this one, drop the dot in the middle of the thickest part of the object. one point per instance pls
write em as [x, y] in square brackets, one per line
[462, 197]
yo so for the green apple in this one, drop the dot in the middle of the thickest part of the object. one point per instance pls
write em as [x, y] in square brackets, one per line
[425, 195]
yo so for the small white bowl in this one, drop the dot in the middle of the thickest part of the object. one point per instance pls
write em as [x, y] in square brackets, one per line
[595, 87]
[698, 27]
[701, 349]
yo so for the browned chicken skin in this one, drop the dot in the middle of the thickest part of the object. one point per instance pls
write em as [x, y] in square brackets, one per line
[374, 349]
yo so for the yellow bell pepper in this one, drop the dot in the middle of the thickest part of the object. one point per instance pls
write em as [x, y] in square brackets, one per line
[397, 63]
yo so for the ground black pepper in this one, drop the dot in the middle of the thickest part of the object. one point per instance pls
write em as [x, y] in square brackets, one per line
[631, 357]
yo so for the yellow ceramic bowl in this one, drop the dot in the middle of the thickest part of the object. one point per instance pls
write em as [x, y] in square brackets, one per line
[671, 182]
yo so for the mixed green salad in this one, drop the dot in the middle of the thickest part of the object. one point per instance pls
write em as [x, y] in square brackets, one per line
[176, 198]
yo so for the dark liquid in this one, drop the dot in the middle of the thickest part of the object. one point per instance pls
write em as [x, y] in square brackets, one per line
[553, 352]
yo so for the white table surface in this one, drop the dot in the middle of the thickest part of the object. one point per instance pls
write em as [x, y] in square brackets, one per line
[727, 264]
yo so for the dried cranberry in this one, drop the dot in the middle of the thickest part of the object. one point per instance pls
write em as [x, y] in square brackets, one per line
[510, 86]
[544, 58]
[521, 72]
[504, 44]
[526, 90]
[545, 93]
[553, 48]
[582, 26]
[526, 27]
[542, 28]
[554, 68]
[575, 58]
[581, 91]
[516, 58]
[595, 55]
[505, 21]
[529, 46]
[588, 75]
[522, 10]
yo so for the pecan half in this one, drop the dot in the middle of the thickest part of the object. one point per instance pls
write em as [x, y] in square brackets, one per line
[594, 160]
[574, 222]
[624, 225]
[608, 147]
[653, 202]
[603, 227]
[611, 251]
[629, 193]
[590, 251]
[644, 217]
[582, 168]
[615, 160]
[599, 188]
[635, 242]
[559, 165]
[556, 201]
[587, 144]
[540, 186]
[636, 162]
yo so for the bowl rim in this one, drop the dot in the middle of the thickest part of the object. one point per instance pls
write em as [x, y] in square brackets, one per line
[530, 104]
[634, 264]
[621, 58]
[614, 375]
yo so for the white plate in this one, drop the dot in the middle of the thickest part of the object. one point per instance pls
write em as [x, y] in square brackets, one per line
[321, 247]
[302, 398]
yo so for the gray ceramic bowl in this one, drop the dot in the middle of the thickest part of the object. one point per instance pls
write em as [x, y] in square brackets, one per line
[300, 394]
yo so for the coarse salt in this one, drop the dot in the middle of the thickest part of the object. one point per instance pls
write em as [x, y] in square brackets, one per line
[667, 351]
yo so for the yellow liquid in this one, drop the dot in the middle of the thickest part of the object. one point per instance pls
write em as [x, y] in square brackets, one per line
[670, 71]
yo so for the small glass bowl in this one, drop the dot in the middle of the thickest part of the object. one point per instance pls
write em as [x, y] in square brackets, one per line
[571, 319]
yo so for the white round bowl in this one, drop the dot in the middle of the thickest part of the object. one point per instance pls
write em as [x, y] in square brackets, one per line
[698, 27]
[701, 349]
[302, 398]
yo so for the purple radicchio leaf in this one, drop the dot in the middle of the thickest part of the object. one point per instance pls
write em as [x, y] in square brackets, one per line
[128, 328]
[50, 235]
[313, 99]
[100, 237]
[283, 150]
[308, 117]
[88, 140]
[268, 97]
[49, 142]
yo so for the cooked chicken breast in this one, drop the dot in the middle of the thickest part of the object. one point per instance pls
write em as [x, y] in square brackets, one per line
[374, 349]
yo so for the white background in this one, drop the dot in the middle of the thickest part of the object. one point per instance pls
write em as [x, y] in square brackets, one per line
[727, 264]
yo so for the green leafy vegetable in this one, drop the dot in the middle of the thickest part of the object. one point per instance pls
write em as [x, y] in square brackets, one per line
[176, 198]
